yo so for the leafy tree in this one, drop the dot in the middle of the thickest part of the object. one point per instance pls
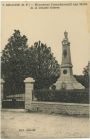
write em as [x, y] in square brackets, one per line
[84, 79]
[12, 61]
[81, 79]
[41, 65]
[86, 71]
[18, 62]
[86, 75]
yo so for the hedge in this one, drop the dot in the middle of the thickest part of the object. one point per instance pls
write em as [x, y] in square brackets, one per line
[69, 96]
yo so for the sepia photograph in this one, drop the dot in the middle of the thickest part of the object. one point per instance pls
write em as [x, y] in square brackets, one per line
[45, 69]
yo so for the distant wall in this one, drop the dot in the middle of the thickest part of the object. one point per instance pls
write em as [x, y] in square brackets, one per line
[60, 108]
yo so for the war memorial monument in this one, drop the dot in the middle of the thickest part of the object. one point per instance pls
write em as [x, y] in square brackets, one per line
[67, 80]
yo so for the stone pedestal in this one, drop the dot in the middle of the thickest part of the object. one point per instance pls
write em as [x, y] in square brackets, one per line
[68, 83]
[2, 91]
[29, 82]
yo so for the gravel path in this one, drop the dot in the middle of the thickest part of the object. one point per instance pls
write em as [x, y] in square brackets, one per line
[18, 124]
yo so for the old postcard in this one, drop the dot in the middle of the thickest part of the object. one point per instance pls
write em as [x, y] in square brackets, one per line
[45, 67]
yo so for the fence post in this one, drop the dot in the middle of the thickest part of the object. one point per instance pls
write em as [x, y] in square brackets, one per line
[2, 90]
[29, 83]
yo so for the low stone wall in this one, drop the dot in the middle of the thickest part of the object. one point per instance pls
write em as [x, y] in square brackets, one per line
[59, 108]
[51, 107]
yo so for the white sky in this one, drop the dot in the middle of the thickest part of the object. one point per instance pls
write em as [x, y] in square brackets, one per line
[49, 26]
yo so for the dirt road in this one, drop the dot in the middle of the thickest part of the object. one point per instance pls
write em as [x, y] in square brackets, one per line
[18, 124]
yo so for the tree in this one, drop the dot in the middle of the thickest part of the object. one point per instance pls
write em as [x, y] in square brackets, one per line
[12, 61]
[86, 71]
[84, 79]
[41, 65]
[19, 61]
[81, 79]
[86, 75]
